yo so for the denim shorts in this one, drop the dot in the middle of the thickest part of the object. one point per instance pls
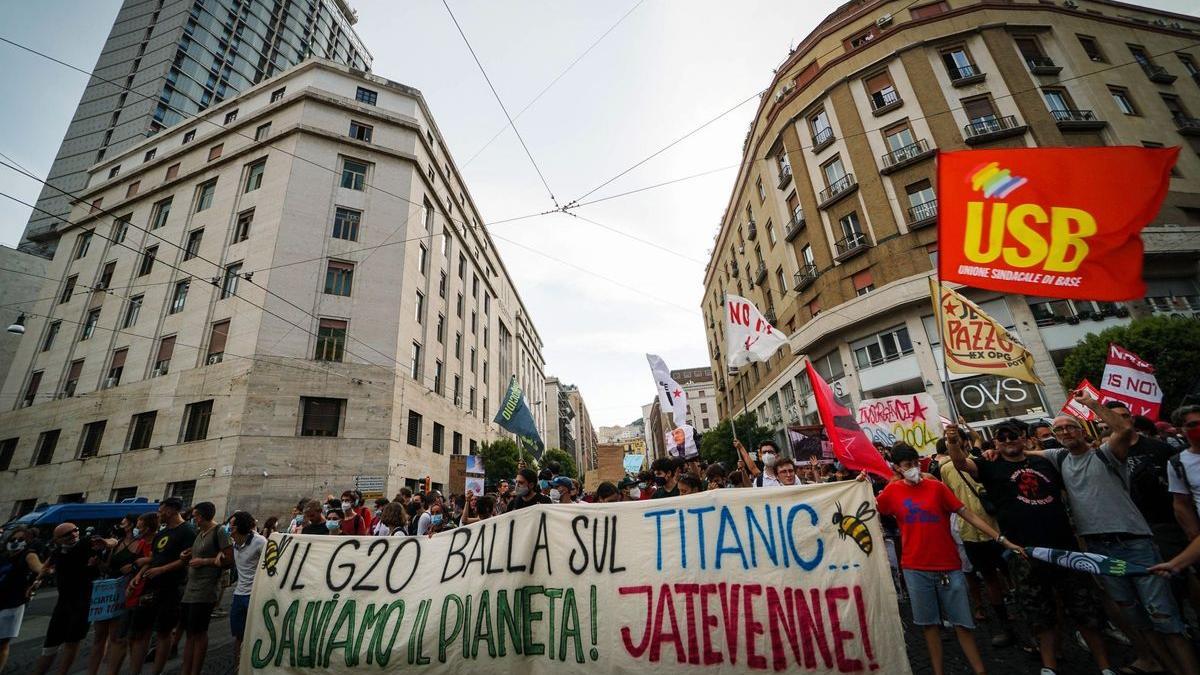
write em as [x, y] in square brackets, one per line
[237, 615]
[1145, 602]
[937, 594]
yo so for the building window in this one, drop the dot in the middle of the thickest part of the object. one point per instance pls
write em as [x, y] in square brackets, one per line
[427, 215]
[781, 281]
[881, 90]
[833, 171]
[762, 193]
[366, 96]
[321, 416]
[354, 174]
[189, 137]
[1057, 101]
[93, 434]
[47, 442]
[360, 131]
[345, 224]
[1123, 100]
[863, 283]
[442, 284]
[416, 361]
[229, 284]
[120, 494]
[922, 201]
[196, 417]
[68, 289]
[471, 400]
[462, 266]
[771, 233]
[215, 151]
[1189, 65]
[89, 323]
[112, 173]
[339, 277]
[441, 329]
[882, 347]
[217, 337]
[149, 154]
[474, 359]
[31, 390]
[132, 310]
[455, 447]
[254, 177]
[277, 95]
[241, 229]
[162, 361]
[185, 490]
[899, 139]
[132, 189]
[120, 229]
[420, 307]
[439, 435]
[829, 366]
[192, 248]
[147, 263]
[438, 368]
[73, 377]
[458, 307]
[422, 259]
[1092, 48]
[161, 210]
[82, 244]
[414, 428]
[959, 64]
[851, 228]
[179, 297]
[172, 172]
[51, 333]
[818, 124]
[981, 114]
[262, 132]
[142, 430]
[231, 116]
[331, 340]
[204, 195]
[457, 390]
[8, 447]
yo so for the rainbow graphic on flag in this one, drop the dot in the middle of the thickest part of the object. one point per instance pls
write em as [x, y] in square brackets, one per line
[995, 182]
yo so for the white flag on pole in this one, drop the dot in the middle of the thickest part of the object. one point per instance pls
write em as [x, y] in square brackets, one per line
[748, 335]
[670, 395]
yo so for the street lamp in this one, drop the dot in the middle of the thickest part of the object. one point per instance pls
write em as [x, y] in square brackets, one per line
[18, 326]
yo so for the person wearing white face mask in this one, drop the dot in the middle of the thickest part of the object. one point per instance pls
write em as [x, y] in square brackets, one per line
[769, 453]
[19, 564]
[929, 556]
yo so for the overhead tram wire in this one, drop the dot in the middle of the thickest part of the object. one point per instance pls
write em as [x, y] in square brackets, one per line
[636, 238]
[501, 102]
[553, 82]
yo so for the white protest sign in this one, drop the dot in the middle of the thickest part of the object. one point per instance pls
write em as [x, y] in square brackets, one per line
[748, 335]
[724, 580]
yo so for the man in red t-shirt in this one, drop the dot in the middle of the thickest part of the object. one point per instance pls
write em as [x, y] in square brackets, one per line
[353, 521]
[929, 557]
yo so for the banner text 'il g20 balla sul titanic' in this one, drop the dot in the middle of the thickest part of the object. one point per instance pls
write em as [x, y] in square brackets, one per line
[731, 580]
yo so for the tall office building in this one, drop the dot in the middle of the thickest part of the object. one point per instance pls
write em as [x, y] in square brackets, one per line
[166, 60]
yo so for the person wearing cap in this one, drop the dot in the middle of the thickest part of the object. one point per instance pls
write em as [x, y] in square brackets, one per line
[75, 564]
[163, 573]
[562, 490]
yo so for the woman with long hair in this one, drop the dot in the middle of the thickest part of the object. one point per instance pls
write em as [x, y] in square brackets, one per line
[134, 543]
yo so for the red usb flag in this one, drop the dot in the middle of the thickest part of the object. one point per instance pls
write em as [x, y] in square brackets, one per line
[850, 445]
[1049, 222]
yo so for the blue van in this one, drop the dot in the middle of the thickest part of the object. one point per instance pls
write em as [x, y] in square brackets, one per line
[100, 516]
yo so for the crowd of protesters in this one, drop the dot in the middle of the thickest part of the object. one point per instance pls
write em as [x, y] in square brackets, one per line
[956, 525]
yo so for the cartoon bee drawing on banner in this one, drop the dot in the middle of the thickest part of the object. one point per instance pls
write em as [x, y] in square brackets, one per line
[274, 552]
[855, 526]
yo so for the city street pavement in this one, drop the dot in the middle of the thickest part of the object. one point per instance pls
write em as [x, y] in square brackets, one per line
[1006, 661]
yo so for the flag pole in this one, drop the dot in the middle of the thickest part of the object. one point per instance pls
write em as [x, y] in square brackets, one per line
[732, 412]
[941, 322]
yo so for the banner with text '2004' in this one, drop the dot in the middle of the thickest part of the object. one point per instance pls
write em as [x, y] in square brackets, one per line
[729, 580]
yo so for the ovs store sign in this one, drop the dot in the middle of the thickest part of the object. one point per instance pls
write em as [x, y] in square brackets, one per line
[1055, 222]
[988, 397]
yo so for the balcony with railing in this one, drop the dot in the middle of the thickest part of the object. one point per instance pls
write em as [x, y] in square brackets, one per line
[992, 128]
[822, 139]
[836, 191]
[752, 230]
[1158, 74]
[795, 224]
[1082, 120]
[906, 156]
[922, 215]
[1042, 65]
[785, 176]
[885, 101]
[805, 277]
[760, 274]
[851, 245]
[961, 76]
[1187, 126]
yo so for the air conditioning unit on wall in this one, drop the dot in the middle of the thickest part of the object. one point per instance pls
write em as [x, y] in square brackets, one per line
[883, 20]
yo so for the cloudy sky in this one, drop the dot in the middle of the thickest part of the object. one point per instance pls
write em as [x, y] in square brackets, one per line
[600, 300]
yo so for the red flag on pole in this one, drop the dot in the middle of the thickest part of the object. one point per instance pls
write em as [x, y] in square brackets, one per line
[850, 445]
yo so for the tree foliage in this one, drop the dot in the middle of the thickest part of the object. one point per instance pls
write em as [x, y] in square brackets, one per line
[499, 459]
[1171, 344]
[565, 461]
[717, 443]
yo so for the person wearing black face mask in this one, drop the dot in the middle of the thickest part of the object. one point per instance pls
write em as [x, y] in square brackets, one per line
[18, 566]
[666, 477]
[527, 493]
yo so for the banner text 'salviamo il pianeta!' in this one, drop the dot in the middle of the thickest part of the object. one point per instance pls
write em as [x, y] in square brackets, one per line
[729, 580]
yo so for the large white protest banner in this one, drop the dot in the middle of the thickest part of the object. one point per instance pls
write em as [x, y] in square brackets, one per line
[725, 580]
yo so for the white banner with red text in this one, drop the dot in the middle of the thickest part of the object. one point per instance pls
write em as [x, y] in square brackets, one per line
[727, 580]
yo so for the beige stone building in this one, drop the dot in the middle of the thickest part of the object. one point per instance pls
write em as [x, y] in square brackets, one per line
[830, 227]
[285, 295]
[701, 393]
